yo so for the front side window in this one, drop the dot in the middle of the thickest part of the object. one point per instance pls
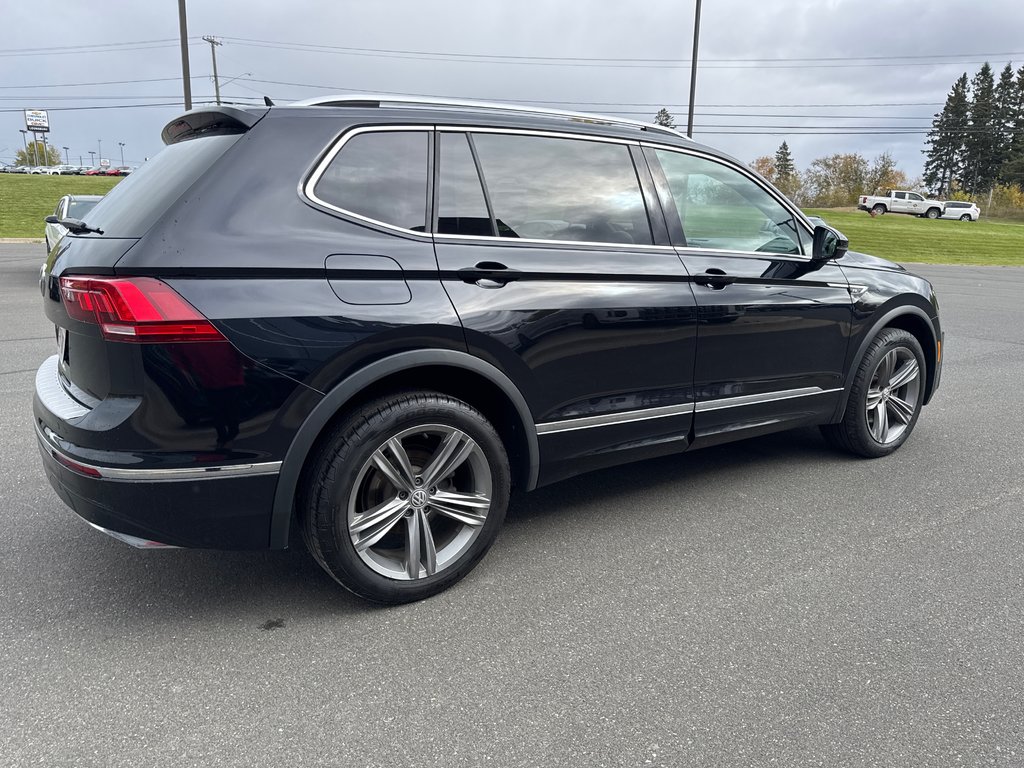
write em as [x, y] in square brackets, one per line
[545, 188]
[382, 176]
[724, 209]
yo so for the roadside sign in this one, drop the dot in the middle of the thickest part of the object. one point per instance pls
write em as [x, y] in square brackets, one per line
[37, 121]
[104, 163]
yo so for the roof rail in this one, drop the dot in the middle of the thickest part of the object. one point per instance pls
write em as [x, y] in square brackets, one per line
[429, 102]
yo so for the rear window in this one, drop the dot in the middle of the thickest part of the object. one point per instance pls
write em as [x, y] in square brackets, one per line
[135, 204]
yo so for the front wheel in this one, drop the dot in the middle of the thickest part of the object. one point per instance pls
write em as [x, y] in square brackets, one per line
[933, 213]
[405, 496]
[885, 399]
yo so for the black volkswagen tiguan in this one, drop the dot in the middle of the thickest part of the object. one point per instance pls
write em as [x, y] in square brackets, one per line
[419, 305]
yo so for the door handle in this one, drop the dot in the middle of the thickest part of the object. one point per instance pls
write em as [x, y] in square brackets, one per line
[714, 278]
[489, 274]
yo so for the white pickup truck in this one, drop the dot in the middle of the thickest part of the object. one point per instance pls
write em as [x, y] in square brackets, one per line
[898, 201]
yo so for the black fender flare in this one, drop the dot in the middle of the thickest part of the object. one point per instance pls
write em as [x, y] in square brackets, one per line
[880, 323]
[335, 399]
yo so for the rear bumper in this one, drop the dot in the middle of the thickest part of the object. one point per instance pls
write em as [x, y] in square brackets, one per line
[222, 508]
[177, 498]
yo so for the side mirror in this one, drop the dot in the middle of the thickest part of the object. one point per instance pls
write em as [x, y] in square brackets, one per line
[828, 244]
[51, 219]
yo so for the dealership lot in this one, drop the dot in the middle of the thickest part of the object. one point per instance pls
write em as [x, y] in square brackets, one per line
[768, 600]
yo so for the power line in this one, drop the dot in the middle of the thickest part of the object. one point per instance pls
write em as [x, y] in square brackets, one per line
[66, 52]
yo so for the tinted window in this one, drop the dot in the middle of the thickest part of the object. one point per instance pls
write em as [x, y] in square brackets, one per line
[900, 195]
[563, 189]
[134, 205]
[724, 209]
[382, 176]
[914, 196]
[461, 209]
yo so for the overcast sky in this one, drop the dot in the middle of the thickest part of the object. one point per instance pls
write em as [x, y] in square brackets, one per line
[747, 52]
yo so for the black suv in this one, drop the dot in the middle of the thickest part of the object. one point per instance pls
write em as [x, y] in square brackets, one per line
[418, 306]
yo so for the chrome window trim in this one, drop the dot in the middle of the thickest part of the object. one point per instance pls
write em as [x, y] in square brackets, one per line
[771, 191]
[491, 239]
[766, 397]
[537, 132]
[162, 475]
[307, 188]
[612, 419]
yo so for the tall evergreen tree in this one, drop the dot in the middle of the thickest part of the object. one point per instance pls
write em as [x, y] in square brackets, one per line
[982, 140]
[784, 167]
[1006, 97]
[945, 155]
[1013, 168]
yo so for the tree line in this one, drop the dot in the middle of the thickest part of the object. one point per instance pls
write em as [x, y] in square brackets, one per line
[977, 141]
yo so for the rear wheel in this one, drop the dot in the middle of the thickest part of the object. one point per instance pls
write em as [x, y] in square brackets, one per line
[878, 210]
[965, 217]
[405, 496]
[885, 399]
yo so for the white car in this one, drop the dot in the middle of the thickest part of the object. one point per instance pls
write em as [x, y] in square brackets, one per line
[62, 170]
[960, 209]
[68, 207]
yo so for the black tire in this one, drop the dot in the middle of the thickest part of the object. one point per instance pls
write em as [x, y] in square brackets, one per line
[932, 213]
[343, 477]
[858, 431]
[965, 217]
[878, 209]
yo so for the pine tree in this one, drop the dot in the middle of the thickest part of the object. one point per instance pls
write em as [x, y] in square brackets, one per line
[1006, 96]
[664, 118]
[945, 160]
[1013, 169]
[784, 167]
[982, 140]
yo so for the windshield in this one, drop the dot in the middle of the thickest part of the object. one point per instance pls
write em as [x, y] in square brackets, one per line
[135, 204]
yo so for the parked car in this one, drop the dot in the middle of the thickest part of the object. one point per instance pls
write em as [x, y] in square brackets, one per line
[960, 209]
[20, 169]
[62, 170]
[95, 172]
[38, 170]
[377, 355]
[68, 207]
[896, 201]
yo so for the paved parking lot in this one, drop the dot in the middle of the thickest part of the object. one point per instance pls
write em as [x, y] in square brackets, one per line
[768, 602]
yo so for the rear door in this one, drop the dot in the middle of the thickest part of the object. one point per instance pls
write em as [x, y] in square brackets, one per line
[774, 325]
[562, 278]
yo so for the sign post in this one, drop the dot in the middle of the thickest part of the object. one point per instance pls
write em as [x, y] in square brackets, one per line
[37, 121]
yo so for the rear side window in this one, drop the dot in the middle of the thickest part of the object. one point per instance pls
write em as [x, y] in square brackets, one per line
[135, 204]
[380, 176]
[545, 188]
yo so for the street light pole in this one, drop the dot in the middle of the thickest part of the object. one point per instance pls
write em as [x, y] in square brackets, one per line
[186, 77]
[66, 160]
[24, 140]
[92, 159]
[693, 70]
[121, 145]
[99, 143]
[214, 42]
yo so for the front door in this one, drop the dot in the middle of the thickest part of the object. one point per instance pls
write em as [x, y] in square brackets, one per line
[774, 325]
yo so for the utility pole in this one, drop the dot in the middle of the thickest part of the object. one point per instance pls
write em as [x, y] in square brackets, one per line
[214, 42]
[186, 76]
[693, 70]
[99, 143]
[66, 160]
[24, 140]
[92, 159]
[121, 145]
[35, 149]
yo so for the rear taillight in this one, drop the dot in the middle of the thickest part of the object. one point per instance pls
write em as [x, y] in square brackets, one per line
[139, 309]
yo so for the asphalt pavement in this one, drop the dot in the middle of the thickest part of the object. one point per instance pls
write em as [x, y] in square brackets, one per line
[764, 603]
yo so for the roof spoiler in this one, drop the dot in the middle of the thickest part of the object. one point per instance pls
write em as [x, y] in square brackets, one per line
[210, 121]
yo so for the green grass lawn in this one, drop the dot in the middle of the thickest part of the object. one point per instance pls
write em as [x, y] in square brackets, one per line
[902, 238]
[26, 200]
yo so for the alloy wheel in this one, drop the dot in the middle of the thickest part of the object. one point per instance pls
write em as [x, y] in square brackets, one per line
[893, 395]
